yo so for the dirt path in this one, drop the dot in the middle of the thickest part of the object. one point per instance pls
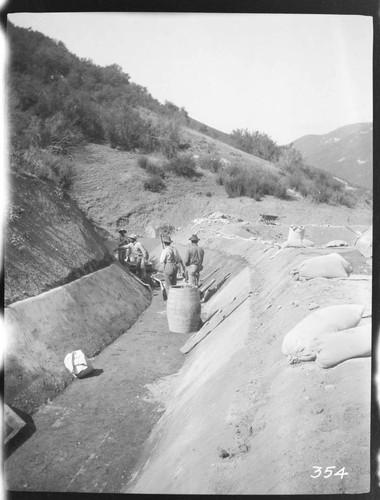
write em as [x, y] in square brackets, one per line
[89, 438]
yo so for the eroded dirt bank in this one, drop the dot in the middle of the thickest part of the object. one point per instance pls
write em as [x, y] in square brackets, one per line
[49, 241]
[239, 419]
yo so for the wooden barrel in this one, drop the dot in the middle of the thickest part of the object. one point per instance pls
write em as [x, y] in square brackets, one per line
[183, 309]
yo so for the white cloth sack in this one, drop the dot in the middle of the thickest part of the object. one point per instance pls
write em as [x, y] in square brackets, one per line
[299, 344]
[332, 265]
[78, 364]
[296, 233]
[347, 344]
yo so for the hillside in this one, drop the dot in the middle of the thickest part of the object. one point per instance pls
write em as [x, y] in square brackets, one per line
[108, 186]
[345, 152]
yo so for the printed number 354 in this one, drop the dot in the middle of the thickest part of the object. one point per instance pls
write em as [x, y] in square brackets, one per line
[328, 471]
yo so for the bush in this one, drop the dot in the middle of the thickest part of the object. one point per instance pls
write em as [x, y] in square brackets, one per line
[219, 179]
[151, 167]
[210, 163]
[126, 129]
[154, 183]
[44, 165]
[168, 136]
[184, 166]
[209, 194]
[254, 184]
[143, 162]
[165, 229]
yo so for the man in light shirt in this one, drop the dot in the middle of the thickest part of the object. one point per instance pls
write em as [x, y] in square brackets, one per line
[138, 253]
[171, 260]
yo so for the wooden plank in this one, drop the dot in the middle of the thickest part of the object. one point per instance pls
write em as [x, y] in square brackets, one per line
[212, 272]
[12, 423]
[215, 321]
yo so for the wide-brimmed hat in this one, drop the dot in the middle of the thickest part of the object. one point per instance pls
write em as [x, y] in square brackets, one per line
[166, 239]
[122, 231]
[133, 236]
[194, 237]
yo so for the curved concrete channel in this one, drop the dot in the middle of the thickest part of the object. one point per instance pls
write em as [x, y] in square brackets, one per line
[230, 417]
[89, 438]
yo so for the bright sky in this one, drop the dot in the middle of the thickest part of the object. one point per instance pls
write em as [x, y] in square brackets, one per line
[285, 75]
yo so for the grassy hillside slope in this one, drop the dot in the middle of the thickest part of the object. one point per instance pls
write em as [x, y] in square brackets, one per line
[108, 186]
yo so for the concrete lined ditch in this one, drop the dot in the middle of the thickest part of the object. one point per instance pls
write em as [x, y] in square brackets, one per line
[89, 437]
[231, 417]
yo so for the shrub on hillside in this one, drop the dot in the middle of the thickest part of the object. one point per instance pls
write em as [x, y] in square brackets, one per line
[165, 229]
[184, 166]
[256, 143]
[210, 163]
[154, 183]
[254, 184]
[151, 167]
[168, 135]
[219, 179]
[44, 165]
[127, 130]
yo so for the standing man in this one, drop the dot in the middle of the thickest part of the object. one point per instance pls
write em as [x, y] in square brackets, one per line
[122, 246]
[194, 260]
[139, 254]
[171, 260]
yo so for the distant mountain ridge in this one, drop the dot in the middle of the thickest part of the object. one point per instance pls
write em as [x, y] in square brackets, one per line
[345, 152]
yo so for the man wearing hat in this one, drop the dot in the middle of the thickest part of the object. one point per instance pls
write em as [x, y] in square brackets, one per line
[171, 260]
[139, 254]
[194, 260]
[122, 246]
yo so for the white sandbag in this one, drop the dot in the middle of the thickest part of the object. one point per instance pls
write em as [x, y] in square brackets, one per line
[78, 364]
[364, 243]
[347, 344]
[336, 243]
[299, 344]
[332, 265]
[296, 233]
[298, 244]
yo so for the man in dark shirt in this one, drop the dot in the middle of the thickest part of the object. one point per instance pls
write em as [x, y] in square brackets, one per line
[194, 260]
[122, 243]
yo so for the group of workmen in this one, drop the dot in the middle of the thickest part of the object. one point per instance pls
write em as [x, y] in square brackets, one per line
[131, 250]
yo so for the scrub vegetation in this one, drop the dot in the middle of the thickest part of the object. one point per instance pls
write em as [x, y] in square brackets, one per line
[58, 102]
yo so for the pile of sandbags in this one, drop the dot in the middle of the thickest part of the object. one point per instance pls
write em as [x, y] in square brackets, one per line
[332, 265]
[300, 343]
[347, 344]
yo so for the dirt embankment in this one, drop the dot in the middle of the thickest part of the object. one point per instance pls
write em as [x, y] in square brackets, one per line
[63, 291]
[49, 241]
[239, 419]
